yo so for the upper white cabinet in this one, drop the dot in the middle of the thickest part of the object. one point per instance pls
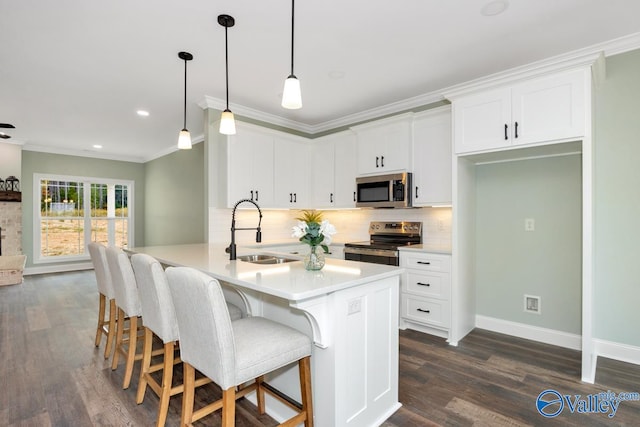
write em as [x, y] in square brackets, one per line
[333, 162]
[540, 110]
[250, 166]
[292, 170]
[384, 146]
[432, 157]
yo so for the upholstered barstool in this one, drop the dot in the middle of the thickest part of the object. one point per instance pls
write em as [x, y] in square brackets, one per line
[128, 303]
[106, 325]
[160, 319]
[232, 353]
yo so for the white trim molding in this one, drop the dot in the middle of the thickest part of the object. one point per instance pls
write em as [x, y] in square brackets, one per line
[618, 351]
[534, 333]
[58, 268]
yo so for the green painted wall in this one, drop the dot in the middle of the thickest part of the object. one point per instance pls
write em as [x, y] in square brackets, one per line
[36, 162]
[617, 201]
[175, 198]
[547, 262]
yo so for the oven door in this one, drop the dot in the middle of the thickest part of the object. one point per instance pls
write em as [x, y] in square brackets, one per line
[375, 256]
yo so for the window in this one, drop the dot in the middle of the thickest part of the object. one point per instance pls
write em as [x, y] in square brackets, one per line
[73, 211]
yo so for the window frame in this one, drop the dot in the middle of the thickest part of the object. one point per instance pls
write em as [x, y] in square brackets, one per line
[87, 182]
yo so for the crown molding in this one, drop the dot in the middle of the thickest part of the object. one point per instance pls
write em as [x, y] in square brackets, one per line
[581, 57]
[169, 150]
[81, 153]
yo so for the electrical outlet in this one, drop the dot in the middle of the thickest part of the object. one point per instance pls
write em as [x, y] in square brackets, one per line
[529, 224]
[355, 306]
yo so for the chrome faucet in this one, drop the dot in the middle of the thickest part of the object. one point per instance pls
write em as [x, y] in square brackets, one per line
[231, 250]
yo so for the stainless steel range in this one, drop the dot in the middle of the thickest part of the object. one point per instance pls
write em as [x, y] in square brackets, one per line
[385, 239]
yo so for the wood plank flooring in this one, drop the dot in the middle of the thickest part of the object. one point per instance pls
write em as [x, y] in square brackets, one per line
[52, 375]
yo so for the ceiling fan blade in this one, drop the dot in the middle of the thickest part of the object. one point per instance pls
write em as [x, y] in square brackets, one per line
[7, 126]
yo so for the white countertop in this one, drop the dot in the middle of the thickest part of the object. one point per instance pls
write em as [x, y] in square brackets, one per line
[427, 248]
[288, 280]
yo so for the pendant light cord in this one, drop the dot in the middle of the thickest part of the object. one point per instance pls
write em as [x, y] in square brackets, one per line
[293, 3]
[226, 60]
[185, 95]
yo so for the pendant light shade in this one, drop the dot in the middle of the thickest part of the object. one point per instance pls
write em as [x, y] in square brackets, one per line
[184, 138]
[227, 122]
[291, 95]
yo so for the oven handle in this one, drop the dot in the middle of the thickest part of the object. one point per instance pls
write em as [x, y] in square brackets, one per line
[373, 252]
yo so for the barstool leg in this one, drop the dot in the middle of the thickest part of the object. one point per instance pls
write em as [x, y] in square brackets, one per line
[260, 394]
[101, 322]
[187, 394]
[120, 324]
[131, 351]
[229, 407]
[304, 367]
[167, 379]
[145, 365]
[113, 314]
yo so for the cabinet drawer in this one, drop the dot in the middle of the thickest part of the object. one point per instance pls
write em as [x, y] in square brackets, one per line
[427, 311]
[434, 285]
[426, 262]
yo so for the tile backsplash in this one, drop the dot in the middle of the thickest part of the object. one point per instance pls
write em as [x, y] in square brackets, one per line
[352, 225]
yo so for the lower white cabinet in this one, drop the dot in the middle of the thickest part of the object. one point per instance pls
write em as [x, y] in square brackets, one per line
[425, 292]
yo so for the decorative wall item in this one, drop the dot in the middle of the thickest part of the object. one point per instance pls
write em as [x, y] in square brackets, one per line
[10, 190]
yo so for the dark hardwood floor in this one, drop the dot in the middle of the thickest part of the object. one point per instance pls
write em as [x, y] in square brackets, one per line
[52, 375]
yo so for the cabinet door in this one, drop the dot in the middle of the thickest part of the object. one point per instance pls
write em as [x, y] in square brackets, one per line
[384, 146]
[432, 158]
[250, 167]
[322, 162]
[549, 108]
[345, 170]
[482, 121]
[291, 173]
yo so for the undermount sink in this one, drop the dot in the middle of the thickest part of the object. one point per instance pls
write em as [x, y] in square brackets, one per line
[265, 259]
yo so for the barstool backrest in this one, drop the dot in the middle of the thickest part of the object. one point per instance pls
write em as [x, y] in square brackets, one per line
[206, 336]
[124, 281]
[155, 298]
[97, 251]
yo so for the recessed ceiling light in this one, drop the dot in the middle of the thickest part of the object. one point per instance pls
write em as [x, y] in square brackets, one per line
[97, 146]
[495, 7]
[142, 113]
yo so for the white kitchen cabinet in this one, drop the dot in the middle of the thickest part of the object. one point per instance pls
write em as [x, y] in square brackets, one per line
[250, 166]
[425, 292]
[292, 171]
[432, 157]
[384, 146]
[333, 160]
[545, 109]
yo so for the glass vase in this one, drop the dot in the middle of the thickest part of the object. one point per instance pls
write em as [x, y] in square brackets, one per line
[314, 260]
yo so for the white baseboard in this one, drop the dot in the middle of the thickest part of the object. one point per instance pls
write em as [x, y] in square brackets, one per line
[613, 350]
[534, 333]
[58, 268]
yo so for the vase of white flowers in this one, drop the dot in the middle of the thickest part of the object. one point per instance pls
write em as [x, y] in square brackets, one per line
[315, 232]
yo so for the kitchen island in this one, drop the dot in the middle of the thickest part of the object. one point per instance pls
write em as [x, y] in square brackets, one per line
[350, 309]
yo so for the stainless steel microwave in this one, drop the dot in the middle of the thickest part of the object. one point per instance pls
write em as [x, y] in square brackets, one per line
[384, 191]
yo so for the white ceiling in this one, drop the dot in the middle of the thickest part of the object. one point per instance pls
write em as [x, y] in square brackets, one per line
[74, 72]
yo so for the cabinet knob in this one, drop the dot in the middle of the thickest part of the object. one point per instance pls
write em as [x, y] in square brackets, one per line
[423, 311]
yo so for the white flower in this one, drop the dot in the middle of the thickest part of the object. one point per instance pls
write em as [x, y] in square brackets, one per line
[327, 230]
[299, 230]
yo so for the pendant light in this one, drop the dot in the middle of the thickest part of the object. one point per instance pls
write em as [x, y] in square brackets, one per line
[291, 96]
[184, 138]
[227, 122]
